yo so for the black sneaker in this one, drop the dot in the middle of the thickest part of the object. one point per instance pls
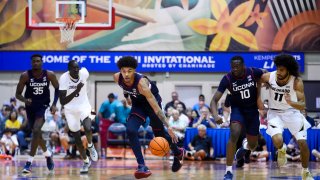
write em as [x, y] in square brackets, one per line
[27, 167]
[178, 161]
[240, 163]
[50, 163]
[247, 157]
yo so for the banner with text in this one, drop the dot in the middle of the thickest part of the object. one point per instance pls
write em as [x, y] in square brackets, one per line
[197, 62]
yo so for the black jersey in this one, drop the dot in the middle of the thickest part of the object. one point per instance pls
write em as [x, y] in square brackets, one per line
[136, 97]
[244, 90]
[38, 89]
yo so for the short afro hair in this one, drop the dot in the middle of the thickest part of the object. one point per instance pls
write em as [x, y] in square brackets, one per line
[36, 55]
[237, 58]
[127, 61]
[288, 61]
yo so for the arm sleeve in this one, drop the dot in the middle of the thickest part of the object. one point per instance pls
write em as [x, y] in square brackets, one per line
[223, 84]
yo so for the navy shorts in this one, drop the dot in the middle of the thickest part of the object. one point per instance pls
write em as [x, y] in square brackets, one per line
[34, 112]
[248, 118]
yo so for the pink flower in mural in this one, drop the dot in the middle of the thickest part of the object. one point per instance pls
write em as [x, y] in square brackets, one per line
[256, 16]
[226, 25]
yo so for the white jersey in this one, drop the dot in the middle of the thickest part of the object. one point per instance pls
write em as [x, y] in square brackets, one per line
[276, 92]
[70, 85]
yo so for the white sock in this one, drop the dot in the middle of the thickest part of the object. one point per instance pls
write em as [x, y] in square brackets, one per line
[90, 145]
[305, 169]
[245, 144]
[284, 147]
[47, 153]
[86, 160]
[30, 159]
[229, 168]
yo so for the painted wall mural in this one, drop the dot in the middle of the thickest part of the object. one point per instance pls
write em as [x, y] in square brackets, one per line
[175, 25]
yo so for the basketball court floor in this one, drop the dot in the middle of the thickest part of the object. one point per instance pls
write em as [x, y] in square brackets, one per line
[161, 168]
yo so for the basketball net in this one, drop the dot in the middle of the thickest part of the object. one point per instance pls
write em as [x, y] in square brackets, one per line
[68, 29]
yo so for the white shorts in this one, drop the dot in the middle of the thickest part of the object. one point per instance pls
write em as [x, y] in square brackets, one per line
[76, 116]
[291, 119]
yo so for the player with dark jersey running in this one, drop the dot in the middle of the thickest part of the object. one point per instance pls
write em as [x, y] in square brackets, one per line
[37, 100]
[242, 84]
[146, 102]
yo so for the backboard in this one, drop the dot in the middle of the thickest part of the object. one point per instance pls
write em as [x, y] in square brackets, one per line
[93, 14]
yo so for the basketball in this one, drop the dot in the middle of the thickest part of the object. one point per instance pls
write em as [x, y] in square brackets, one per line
[159, 146]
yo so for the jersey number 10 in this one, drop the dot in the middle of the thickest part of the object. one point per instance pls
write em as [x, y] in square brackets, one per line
[245, 94]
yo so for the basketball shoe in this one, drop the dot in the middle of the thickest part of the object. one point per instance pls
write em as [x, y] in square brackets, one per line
[85, 167]
[142, 172]
[282, 159]
[178, 160]
[50, 163]
[93, 153]
[27, 167]
[240, 157]
[306, 175]
[228, 176]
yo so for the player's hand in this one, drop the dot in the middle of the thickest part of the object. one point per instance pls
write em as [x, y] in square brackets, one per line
[53, 109]
[28, 102]
[218, 119]
[287, 97]
[172, 135]
[79, 86]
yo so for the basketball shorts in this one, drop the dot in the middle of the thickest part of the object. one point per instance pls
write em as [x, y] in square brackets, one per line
[248, 118]
[76, 116]
[34, 112]
[291, 119]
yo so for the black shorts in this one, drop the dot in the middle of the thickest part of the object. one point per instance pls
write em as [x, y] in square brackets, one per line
[34, 112]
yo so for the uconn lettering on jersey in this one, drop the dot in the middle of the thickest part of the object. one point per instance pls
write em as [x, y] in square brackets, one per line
[38, 84]
[243, 86]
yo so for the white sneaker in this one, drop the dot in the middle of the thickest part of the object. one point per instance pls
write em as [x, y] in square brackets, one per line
[306, 175]
[282, 159]
[85, 167]
[93, 153]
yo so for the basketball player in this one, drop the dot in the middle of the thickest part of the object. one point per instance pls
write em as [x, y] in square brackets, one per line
[286, 99]
[37, 99]
[146, 102]
[74, 98]
[242, 85]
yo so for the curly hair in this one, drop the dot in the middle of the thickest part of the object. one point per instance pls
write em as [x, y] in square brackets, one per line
[287, 61]
[127, 61]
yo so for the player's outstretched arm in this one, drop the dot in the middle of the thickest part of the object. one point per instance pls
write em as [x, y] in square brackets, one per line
[298, 87]
[143, 88]
[214, 106]
[22, 81]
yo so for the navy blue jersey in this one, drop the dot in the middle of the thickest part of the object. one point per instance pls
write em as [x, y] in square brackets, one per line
[244, 90]
[136, 97]
[38, 89]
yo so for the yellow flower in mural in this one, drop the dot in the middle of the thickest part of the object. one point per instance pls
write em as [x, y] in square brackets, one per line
[226, 25]
[256, 16]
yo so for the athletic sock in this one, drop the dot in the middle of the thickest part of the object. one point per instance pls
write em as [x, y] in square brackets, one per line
[47, 153]
[86, 160]
[229, 168]
[30, 159]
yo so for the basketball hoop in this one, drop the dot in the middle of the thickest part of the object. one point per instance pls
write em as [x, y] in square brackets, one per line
[68, 29]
